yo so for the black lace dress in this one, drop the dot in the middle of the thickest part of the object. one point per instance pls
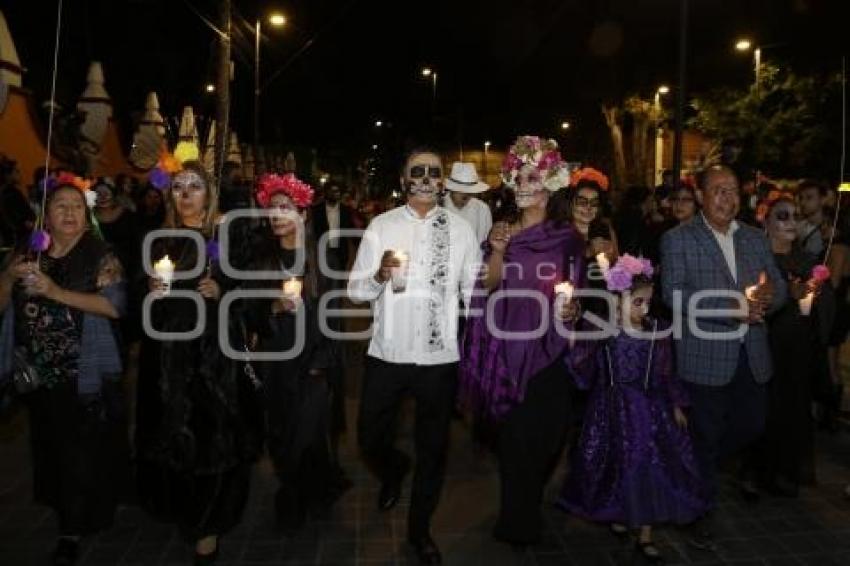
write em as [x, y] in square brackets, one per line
[197, 422]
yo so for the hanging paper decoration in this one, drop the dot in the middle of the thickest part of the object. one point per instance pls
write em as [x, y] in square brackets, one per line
[187, 151]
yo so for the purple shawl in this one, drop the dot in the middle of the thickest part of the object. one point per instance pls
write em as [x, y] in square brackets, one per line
[494, 371]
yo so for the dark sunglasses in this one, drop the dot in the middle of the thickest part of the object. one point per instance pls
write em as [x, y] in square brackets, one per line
[421, 171]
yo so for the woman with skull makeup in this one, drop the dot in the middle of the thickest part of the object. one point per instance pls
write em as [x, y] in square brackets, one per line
[517, 382]
[785, 454]
[297, 392]
[196, 436]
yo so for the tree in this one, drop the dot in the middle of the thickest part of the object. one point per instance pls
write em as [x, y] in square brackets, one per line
[788, 126]
[638, 118]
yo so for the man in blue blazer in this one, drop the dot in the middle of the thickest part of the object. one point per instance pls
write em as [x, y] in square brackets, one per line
[715, 263]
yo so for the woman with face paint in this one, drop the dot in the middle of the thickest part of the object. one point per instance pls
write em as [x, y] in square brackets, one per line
[784, 457]
[634, 466]
[58, 304]
[296, 390]
[196, 432]
[513, 380]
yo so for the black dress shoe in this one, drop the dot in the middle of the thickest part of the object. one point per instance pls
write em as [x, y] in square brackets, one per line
[206, 559]
[65, 553]
[390, 491]
[426, 550]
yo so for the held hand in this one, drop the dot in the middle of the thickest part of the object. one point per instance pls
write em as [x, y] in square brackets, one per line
[601, 245]
[567, 311]
[388, 262]
[680, 418]
[40, 284]
[18, 269]
[156, 285]
[765, 290]
[500, 237]
[209, 289]
[284, 305]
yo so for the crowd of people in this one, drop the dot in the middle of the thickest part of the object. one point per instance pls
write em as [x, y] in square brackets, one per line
[669, 329]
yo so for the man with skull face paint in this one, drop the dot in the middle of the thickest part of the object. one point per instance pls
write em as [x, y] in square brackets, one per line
[414, 346]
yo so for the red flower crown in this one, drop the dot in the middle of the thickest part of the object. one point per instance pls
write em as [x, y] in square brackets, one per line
[271, 184]
[589, 174]
[767, 203]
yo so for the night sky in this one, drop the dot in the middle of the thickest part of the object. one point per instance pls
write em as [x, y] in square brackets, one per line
[505, 66]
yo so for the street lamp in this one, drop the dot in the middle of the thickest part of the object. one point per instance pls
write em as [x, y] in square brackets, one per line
[276, 19]
[484, 164]
[378, 123]
[565, 125]
[375, 147]
[662, 90]
[744, 45]
[428, 72]
[210, 88]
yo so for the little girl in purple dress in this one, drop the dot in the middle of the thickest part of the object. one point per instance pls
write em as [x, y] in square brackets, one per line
[634, 465]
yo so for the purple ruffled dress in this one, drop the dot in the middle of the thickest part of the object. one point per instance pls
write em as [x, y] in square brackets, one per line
[633, 465]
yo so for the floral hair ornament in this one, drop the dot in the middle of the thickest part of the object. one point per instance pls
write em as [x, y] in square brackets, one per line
[66, 179]
[589, 174]
[540, 154]
[271, 184]
[774, 196]
[621, 277]
[170, 164]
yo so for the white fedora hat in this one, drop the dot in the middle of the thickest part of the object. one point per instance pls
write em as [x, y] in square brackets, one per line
[464, 179]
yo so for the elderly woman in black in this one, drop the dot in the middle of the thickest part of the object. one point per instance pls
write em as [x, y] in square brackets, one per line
[58, 303]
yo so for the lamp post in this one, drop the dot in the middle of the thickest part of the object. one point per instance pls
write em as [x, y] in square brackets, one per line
[430, 73]
[484, 164]
[659, 134]
[277, 20]
[744, 45]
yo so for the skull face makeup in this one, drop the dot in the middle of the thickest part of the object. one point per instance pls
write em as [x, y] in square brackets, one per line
[423, 178]
[530, 191]
[189, 196]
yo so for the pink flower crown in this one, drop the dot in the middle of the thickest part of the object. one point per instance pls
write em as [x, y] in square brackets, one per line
[541, 154]
[271, 184]
[621, 277]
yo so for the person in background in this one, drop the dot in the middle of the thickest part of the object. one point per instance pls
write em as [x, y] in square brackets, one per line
[464, 187]
[632, 223]
[414, 346]
[812, 196]
[234, 193]
[684, 204]
[58, 308]
[16, 217]
[126, 191]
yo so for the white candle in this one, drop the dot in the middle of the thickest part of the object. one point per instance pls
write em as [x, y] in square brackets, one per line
[292, 289]
[566, 289]
[603, 262]
[164, 269]
[806, 304]
[399, 274]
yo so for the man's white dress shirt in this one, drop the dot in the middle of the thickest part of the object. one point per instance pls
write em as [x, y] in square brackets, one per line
[419, 324]
[476, 212]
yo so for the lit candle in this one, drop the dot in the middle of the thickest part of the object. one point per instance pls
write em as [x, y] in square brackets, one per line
[292, 289]
[751, 291]
[566, 289]
[399, 274]
[806, 304]
[603, 262]
[164, 269]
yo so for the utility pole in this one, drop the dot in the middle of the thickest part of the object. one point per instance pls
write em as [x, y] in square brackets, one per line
[680, 91]
[222, 132]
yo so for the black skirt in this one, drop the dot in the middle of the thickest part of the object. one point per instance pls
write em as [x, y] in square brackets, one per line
[80, 457]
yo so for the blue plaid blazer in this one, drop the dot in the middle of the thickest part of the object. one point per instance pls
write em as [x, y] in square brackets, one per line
[692, 261]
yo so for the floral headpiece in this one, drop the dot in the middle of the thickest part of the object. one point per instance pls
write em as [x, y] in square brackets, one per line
[271, 184]
[621, 277]
[66, 179]
[543, 155]
[171, 164]
[767, 203]
[589, 174]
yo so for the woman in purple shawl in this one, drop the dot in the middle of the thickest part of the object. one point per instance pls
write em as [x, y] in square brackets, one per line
[511, 369]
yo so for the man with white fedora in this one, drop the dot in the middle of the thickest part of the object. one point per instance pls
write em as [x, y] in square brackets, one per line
[462, 184]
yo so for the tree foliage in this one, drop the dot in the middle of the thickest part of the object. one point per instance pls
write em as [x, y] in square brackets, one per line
[787, 125]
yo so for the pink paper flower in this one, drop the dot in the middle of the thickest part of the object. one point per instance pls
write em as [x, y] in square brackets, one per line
[821, 273]
[631, 264]
[618, 279]
[648, 269]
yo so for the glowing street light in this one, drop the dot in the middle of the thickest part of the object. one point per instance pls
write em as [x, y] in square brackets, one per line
[378, 123]
[663, 89]
[375, 146]
[565, 125]
[487, 145]
[277, 19]
[210, 87]
[743, 45]
[426, 71]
